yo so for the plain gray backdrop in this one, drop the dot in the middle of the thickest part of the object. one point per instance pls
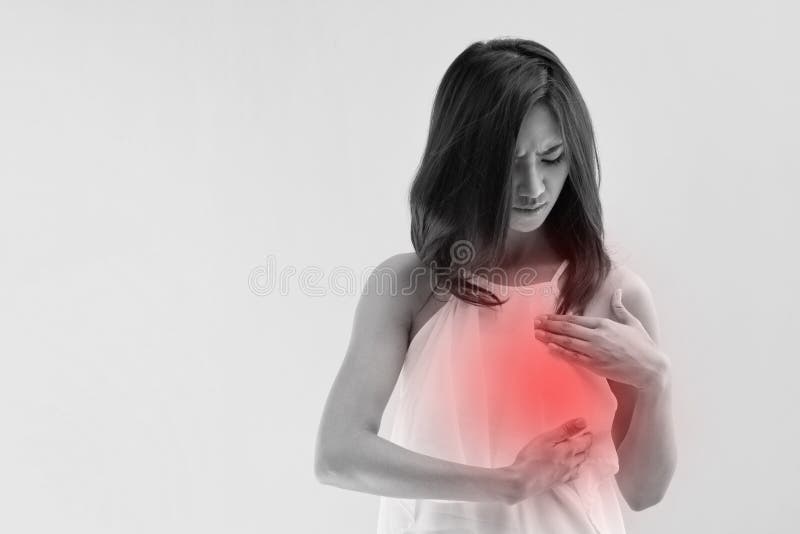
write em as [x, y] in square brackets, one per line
[160, 161]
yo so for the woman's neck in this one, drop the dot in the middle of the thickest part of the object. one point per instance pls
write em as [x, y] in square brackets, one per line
[524, 249]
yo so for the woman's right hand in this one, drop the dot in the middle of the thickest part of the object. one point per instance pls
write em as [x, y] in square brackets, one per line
[551, 458]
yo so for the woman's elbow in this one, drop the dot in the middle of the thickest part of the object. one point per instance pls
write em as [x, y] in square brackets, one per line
[642, 500]
[331, 464]
[322, 470]
[637, 504]
[643, 494]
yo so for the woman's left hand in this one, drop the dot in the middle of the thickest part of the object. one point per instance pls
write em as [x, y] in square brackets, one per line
[622, 351]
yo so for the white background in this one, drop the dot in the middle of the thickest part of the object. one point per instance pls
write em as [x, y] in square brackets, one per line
[154, 154]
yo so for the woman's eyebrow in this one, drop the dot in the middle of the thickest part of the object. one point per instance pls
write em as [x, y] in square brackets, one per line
[549, 150]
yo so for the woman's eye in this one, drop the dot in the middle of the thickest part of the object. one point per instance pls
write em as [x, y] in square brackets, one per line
[553, 161]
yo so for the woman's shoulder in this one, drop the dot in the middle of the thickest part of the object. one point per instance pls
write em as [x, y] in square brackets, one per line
[636, 297]
[620, 276]
[408, 280]
[623, 276]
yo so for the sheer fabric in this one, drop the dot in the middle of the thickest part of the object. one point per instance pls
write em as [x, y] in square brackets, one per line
[475, 388]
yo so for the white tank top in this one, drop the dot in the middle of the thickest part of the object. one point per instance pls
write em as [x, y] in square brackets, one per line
[475, 388]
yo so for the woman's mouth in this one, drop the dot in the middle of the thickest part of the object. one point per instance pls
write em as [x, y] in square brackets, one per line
[531, 210]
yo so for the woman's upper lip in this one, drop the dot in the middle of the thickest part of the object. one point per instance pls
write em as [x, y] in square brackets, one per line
[531, 207]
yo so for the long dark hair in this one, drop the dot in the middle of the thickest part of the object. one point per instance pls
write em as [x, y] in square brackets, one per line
[462, 189]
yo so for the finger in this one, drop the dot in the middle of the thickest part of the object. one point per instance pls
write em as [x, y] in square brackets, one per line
[567, 342]
[619, 309]
[577, 471]
[573, 473]
[586, 434]
[567, 429]
[566, 328]
[568, 450]
[585, 437]
[573, 357]
[577, 444]
[573, 446]
[578, 458]
[582, 320]
[582, 443]
[569, 347]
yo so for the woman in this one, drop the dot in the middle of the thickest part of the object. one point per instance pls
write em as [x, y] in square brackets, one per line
[512, 414]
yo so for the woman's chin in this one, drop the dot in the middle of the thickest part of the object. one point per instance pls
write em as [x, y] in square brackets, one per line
[525, 226]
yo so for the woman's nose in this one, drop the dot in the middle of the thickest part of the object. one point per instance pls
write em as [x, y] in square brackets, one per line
[532, 183]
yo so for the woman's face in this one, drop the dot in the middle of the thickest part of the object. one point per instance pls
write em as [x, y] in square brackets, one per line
[539, 169]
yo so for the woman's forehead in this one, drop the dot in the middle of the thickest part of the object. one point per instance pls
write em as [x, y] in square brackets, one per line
[539, 129]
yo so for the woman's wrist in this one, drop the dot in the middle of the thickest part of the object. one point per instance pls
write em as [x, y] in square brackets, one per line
[658, 376]
[658, 381]
[507, 485]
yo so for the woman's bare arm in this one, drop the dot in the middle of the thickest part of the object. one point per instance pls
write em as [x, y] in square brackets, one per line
[349, 452]
[645, 437]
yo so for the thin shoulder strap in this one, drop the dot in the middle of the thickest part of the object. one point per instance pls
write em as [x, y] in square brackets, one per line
[559, 271]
